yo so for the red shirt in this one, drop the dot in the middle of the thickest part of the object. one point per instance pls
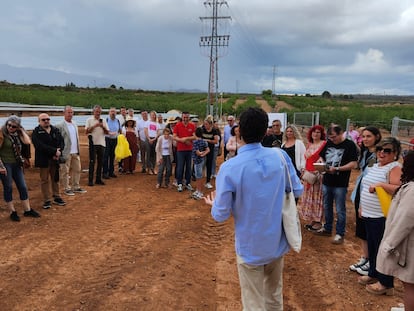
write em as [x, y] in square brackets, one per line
[181, 131]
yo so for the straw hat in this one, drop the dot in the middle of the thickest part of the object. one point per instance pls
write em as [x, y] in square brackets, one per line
[172, 120]
[129, 118]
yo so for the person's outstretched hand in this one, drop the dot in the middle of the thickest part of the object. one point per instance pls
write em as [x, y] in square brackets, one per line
[209, 199]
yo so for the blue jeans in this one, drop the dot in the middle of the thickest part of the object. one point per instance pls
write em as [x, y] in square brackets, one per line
[14, 172]
[109, 156]
[337, 194]
[184, 162]
[165, 164]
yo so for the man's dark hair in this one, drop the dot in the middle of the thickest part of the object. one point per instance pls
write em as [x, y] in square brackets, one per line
[336, 129]
[253, 125]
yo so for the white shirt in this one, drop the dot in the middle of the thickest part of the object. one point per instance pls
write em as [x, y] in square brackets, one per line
[73, 138]
[141, 124]
[152, 127]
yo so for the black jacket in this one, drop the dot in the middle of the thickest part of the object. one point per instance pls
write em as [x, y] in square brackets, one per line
[46, 145]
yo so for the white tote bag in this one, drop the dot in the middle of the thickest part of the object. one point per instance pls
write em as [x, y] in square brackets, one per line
[290, 215]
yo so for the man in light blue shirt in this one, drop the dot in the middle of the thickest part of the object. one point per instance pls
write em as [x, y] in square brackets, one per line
[111, 139]
[251, 187]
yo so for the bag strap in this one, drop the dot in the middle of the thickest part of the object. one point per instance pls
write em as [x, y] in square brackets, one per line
[286, 166]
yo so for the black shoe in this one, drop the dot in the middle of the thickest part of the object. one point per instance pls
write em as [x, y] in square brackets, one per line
[59, 201]
[143, 170]
[113, 176]
[31, 213]
[47, 205]
[105, 177]
[90, 184]
[100, 182]
[80, 190]
[14, 216]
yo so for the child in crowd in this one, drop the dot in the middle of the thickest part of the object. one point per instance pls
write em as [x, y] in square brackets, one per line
[164, 157]
[200, 150]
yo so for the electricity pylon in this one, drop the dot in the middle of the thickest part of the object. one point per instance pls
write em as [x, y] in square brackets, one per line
[214, 45]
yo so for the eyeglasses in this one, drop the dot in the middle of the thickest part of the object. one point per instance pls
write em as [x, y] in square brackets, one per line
[44, 120]
[12, 126]
[385, 150]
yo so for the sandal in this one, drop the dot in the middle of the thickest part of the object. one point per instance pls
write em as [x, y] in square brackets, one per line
[315, 227]
[308, 226]
[366, 280]
[379, 289]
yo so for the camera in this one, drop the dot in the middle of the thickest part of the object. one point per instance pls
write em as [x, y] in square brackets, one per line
[100, 120]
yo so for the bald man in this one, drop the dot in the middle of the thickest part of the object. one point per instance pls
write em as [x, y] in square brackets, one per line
[49, 145]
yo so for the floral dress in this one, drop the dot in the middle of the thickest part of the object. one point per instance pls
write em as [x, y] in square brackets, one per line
[311, 203]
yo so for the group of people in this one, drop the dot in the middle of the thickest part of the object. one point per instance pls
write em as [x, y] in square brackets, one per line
[323, 166]
[251, 185]
[154, 143]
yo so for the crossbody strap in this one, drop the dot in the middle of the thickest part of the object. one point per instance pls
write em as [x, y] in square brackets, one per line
[286, 167]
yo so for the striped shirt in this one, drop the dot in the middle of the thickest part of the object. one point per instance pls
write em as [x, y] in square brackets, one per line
[369, 201]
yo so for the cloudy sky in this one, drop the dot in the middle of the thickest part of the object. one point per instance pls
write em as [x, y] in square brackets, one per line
[304, 46]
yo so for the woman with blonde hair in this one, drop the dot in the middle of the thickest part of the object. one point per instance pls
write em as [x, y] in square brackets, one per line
[294, 147]
[151, 133]
[211, 136]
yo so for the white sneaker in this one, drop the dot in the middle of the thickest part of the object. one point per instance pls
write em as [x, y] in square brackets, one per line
[175, 184]
[195, 195]
[338, 239]
[208, 186]
[189, 187]
[362, 261]
[399, 308]
[363, 269]
[180, 188]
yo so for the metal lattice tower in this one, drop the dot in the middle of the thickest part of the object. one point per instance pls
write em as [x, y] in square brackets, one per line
[214, 45]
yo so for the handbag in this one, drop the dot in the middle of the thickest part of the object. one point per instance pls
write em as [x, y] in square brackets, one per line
[122, 150]
[310, 177]
[290, 216]
[384, 199]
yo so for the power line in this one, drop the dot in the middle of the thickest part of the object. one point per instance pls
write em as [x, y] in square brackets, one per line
[214, 45]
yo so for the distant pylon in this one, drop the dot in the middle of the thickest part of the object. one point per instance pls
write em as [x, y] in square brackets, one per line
[214, 46]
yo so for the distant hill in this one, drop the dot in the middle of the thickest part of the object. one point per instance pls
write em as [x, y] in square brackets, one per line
[26, 75]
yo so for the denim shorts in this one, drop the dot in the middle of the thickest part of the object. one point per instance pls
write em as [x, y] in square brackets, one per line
[198, 170]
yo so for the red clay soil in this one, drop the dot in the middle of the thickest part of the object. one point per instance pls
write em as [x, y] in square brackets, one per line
[130, 246]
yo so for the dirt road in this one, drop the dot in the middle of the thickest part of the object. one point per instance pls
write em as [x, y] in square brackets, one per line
[130, 246]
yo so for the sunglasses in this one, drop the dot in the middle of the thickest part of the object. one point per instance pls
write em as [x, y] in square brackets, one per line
[44, 120]
[12, 126]
[385, 150]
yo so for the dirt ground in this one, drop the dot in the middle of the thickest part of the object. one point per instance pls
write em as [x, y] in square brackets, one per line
[130, 246]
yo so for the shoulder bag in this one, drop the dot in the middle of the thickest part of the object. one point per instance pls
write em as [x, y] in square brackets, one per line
[310, 177]
[290, 215]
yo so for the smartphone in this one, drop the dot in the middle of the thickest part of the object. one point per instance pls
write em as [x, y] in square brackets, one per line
[100, 120]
